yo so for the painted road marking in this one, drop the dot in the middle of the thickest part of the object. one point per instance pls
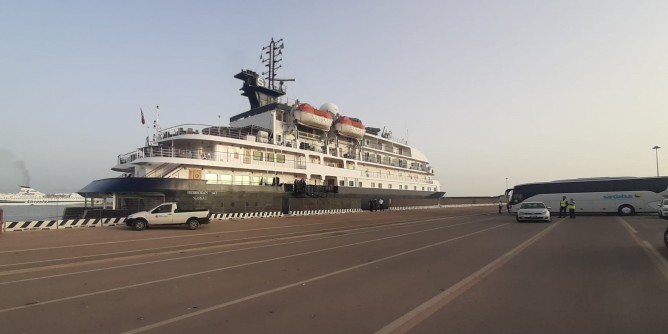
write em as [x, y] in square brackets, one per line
[226, 243]
[285, 287]
[409, 320]
[246, 265]
[356, 232]
[202, 234]
[657, 259]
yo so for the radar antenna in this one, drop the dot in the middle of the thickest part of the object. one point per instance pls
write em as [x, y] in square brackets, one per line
[273, 53]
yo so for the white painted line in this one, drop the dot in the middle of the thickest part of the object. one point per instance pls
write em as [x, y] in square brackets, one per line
[146, 250]
[657, 259]
[156, 238]
[409, 320]
[190, 235]
[299, 283]
[239, 266]
[355, 232]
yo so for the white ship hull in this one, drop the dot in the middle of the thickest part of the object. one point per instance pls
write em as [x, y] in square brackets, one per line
[29, 196]
[41, 202]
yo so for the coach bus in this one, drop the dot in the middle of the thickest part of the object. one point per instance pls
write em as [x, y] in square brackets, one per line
[621, 195]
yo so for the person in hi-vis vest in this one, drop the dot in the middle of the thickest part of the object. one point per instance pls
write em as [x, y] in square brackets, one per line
[562, 206]
[571, 208]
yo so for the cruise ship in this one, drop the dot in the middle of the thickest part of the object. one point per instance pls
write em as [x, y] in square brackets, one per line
[280, 155]
[29, 196]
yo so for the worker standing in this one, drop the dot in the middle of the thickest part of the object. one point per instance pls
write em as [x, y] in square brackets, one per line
[563, 204]
[500, 206]
[571, 208]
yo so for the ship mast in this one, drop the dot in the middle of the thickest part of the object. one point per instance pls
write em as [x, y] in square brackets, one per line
[264, 90]
[273, 51]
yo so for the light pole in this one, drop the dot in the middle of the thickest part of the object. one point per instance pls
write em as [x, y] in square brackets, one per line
[656, 151]
[506, 183]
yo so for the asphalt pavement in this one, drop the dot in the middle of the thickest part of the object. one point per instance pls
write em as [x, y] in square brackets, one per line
[454, 270]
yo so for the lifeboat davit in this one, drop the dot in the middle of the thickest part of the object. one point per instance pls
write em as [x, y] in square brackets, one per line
[349, 127]
[306, 115]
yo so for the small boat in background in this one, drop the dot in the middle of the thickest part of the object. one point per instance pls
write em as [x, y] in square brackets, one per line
[30, 196]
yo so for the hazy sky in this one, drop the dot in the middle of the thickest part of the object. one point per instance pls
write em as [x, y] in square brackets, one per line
[488, 90]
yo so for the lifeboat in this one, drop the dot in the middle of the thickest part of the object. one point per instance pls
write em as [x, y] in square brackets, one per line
[349, 127]
[306, 115]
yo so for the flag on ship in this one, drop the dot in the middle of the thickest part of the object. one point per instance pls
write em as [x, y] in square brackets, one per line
[142, 116]
[157, 116]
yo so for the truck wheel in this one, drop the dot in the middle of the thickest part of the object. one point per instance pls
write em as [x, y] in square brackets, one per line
[626, 210]
[193, 224]
[139, 225]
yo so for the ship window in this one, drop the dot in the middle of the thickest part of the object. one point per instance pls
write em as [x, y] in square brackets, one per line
[342, 183]
[257, 155]
[389, 186]
[225, 179]
[380, 185]
[280, 158]
[414, 187]
[351, 183]
[270, 157]
[422, 188]
[360, 184]
[211, 178]
[256, 180]
[242, 179]
[373, 185]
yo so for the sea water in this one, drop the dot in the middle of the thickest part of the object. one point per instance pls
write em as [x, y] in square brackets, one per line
[13, 213]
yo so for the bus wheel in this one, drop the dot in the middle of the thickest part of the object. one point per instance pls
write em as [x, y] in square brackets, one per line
[626, 210]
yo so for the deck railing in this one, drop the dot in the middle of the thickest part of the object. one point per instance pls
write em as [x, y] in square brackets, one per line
[248, 133]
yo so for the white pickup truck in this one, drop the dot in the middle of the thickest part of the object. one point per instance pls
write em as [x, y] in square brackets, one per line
[168, 214]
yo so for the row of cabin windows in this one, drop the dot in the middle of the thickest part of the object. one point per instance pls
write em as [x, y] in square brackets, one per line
[264, 180]
[381, 159]
[380, 146]
[212, 178]
[380, 185]
[269, 157]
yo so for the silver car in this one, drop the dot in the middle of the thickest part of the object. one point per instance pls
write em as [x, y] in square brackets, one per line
[663, 209]
[533, 211]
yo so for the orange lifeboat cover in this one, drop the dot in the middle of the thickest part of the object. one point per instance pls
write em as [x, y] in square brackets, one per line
[351, 121]
[309, 109]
